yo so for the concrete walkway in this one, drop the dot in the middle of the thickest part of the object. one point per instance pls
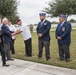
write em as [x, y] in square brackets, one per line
[20, 67]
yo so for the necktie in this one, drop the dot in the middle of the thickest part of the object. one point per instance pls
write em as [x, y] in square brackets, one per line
[60, 26]
[41, 24]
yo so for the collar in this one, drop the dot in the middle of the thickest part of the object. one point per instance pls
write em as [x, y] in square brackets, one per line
[10, 25]
[0, 25]
[62, 23]
[20, 25]
[43, 20]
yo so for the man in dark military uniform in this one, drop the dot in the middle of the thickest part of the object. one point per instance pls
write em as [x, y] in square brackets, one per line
[43, 32]
[2, 49]
[63, 35]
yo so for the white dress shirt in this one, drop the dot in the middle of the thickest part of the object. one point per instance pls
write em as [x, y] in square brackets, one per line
[12, 28]
[0, 27]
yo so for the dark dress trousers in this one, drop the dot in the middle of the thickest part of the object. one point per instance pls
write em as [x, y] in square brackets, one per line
[28, 47]
[12, 46]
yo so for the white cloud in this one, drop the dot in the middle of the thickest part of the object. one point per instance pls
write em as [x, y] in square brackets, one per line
[29, 10]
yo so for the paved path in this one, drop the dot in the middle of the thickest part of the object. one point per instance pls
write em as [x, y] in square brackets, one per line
[20, 67]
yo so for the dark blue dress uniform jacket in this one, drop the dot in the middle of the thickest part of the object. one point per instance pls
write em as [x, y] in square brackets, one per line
[65, 33]
[44, 30]
[6, 33]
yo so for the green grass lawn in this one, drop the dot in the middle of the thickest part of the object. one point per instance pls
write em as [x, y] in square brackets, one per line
[20, 51]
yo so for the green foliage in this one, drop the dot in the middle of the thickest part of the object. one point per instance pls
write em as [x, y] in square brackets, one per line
[72, 21]
[57, 7]
[8, 8]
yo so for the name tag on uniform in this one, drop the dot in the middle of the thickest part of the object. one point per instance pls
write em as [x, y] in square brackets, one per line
[63, 29]
[45, 23]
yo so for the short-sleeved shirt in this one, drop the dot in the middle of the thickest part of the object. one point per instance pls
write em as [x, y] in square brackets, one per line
[25, 32]
[12, 28]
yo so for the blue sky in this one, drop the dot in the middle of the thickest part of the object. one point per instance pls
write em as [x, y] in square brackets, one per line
[29, 11]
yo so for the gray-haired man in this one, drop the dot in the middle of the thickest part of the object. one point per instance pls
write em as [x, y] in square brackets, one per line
[6, 34]
[2, 49]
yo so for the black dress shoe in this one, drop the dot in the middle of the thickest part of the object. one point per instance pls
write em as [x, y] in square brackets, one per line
[6, 60]
[39, 57]
[61, 59]
[13, 53]
[5, 65]
[28, 55]
[67, 60]
[47, 59]
[10, 59]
